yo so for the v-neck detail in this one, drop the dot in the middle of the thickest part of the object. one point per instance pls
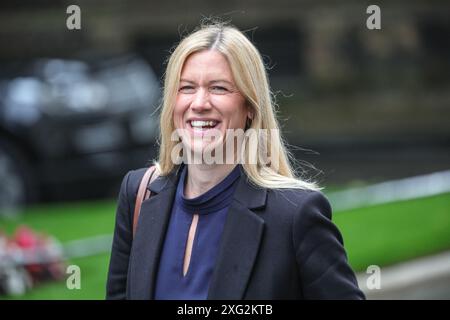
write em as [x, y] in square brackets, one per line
[212, 209]
[212, 200]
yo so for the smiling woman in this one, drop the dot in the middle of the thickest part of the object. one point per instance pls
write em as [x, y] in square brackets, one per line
[241, 230]
[207, 98]
[211, 84]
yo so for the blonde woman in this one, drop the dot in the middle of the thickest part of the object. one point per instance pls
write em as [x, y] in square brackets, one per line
[244, 228]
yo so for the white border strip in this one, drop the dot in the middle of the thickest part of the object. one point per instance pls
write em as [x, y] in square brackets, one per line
[390, 191]
[88, 246]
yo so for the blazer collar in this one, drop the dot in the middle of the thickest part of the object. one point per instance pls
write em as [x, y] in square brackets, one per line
[241, 239]
[247, 193]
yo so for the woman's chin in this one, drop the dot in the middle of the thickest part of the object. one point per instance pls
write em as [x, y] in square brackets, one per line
[206, 151]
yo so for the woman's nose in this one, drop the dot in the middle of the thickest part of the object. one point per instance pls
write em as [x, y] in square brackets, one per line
[201, 100]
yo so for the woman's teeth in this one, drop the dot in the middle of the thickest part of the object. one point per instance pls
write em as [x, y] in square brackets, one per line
[201, 124]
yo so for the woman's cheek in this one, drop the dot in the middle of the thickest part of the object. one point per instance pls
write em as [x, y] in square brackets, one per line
[178, 118]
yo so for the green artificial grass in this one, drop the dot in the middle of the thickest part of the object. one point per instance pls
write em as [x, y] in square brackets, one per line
[394, 232]
[67, 221]
[378, 235]
[92, 284]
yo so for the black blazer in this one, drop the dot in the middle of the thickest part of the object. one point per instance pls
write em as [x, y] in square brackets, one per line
[275, 245]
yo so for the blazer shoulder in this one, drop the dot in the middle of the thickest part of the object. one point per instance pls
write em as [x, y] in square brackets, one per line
[300, 199]
[134, 179]
[130, 185]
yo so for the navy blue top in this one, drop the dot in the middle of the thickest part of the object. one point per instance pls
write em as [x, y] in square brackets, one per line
[212, 207]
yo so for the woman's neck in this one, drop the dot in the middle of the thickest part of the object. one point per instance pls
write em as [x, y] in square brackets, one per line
[202, 177]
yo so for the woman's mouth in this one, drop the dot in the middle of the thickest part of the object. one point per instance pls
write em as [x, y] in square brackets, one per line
[202, 126]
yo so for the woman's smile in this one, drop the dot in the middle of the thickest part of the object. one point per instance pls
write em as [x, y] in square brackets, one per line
[201, 127]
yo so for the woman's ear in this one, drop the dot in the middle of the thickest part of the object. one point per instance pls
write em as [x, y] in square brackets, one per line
[248, 121]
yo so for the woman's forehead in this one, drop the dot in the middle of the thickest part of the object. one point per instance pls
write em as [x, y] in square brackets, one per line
[206, 64]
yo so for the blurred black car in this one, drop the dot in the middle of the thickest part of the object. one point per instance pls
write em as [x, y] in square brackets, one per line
[70, 129]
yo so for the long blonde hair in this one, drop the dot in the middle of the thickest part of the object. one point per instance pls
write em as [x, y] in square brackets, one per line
[251, 80]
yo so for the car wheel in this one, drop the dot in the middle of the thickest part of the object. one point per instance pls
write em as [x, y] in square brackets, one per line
[15, 180]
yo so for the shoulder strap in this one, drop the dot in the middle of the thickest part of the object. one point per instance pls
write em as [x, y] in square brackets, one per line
[143, 194]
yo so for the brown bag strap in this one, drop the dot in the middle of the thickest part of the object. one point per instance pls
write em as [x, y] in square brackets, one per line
[143, 194]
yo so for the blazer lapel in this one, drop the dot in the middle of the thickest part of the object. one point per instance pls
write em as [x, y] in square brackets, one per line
[241, 239]
[149, 237]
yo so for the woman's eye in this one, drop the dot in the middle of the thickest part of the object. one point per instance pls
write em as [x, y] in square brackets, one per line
[219, 89]
[186, 89]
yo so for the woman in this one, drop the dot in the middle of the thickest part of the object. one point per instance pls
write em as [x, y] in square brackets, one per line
[240, 229]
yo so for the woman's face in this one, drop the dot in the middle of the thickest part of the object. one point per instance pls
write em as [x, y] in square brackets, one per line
[208, 99]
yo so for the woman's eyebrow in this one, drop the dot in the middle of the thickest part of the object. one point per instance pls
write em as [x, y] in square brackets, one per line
[221, 80]
[185, 80]
[210, 82]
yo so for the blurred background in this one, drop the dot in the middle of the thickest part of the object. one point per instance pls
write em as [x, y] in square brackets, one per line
[365, 112]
